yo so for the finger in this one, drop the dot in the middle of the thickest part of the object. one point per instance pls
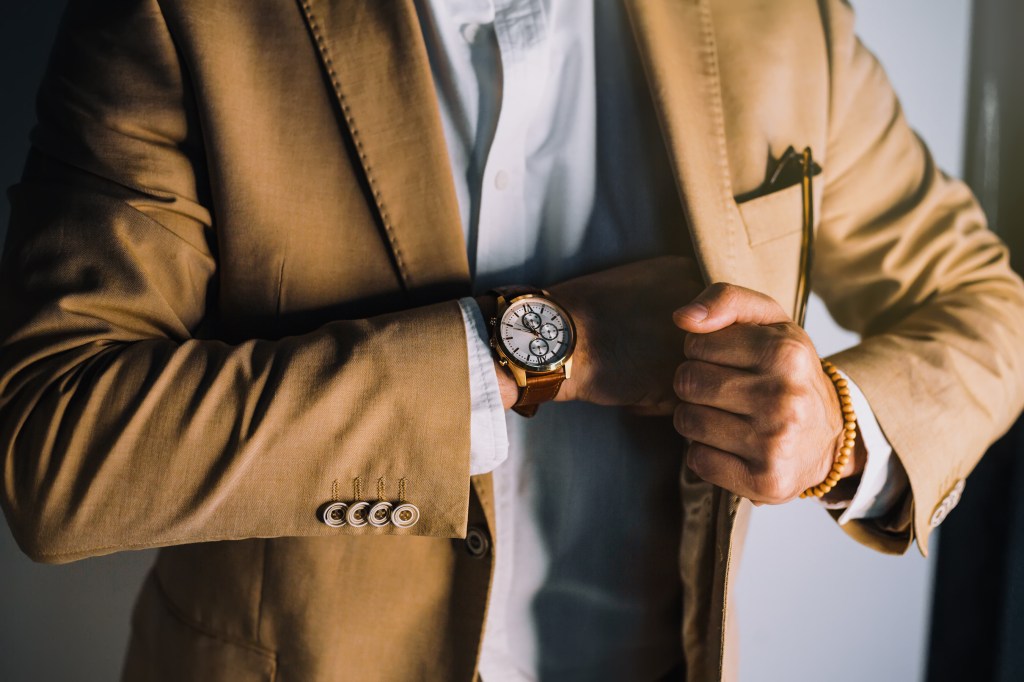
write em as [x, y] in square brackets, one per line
[721, 305]
[720, 468]
[727, 388]
[744, 346]
[716, 428]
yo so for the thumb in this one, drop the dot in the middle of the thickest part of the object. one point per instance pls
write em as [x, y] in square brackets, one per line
[722, 305]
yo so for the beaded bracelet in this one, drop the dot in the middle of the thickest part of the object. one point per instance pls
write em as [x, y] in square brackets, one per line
[849, 433]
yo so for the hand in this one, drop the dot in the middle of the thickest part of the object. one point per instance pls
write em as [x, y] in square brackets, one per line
[762, 416]
[627, 347]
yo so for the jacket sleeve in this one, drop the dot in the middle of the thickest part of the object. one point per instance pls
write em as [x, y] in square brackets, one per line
[904, 257]
[120, 428]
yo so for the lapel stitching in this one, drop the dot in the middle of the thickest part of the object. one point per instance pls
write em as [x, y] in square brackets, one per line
[325, 54]
[709, 52]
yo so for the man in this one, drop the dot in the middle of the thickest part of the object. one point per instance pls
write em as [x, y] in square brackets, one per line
[238, 325]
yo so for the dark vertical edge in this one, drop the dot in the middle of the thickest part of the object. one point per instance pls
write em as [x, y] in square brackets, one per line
[977, 630]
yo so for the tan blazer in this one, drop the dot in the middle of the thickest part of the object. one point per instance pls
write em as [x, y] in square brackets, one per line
[229, 289]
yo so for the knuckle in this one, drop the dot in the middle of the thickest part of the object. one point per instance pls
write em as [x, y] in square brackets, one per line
[695, 459]
[683, 380]
[679, 421]
[689, 383]
[786, 411]
[773, 485]
[789, 351]
[694, 346]
[778, 443]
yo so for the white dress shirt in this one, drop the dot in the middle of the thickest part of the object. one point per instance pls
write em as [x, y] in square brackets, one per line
[560, 170]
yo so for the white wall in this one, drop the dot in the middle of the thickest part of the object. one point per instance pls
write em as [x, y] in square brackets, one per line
[813, 603]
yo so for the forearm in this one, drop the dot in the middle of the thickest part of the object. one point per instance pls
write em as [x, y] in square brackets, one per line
[149, 443]
[119, 429]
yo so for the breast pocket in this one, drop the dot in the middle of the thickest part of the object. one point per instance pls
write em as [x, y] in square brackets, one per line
[773, 216]
[774, 226]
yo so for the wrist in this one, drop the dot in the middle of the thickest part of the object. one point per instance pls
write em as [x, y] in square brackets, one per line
[506, 384]
[565, 295]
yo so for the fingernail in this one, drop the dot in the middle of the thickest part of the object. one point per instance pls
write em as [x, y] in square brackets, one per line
[697, 312]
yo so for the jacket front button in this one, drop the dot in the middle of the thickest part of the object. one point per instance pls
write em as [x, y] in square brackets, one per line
[477, 542]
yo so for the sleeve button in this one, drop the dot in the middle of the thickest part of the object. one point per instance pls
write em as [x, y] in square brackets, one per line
[379, 514]
[333, 514]
[405, 515]
[357, 513]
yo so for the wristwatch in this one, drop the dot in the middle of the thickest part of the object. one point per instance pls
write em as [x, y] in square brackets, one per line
[534, 338]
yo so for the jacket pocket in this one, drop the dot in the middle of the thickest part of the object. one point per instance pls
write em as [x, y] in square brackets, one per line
[773, 216]
[164, 646]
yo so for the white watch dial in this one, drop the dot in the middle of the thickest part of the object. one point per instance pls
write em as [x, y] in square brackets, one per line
[535, 334]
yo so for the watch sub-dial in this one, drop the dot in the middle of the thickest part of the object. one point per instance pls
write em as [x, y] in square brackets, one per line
[531, 321]
[548, 331]
[539, 347]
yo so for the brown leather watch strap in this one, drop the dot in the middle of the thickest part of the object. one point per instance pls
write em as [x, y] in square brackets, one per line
[539, 388]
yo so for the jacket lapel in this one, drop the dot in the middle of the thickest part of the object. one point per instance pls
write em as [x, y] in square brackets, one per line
[677, 48]
[375, 60]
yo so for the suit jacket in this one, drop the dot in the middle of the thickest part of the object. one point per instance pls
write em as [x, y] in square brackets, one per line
[229, 289]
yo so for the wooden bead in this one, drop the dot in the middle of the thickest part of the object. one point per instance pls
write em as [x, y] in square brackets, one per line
[844, 394]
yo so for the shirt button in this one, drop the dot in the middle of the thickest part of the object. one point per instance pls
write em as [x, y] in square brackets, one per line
[501, 180]
[469, 32]
[477, 542]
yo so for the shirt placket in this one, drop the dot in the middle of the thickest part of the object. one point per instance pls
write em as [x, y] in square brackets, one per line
[506, 240]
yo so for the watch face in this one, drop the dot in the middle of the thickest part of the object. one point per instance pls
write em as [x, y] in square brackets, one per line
[536, 334]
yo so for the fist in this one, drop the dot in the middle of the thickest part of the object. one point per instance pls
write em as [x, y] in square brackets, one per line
[762, 417]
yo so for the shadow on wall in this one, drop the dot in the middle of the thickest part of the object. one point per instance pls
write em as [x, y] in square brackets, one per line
[56, 622]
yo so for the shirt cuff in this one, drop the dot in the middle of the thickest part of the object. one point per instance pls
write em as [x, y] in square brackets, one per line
[883, 481]
[488, 437]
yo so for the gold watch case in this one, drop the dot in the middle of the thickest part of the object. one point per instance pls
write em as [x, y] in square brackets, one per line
[518, 368]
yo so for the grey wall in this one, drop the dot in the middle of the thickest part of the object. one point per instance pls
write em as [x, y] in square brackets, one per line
[811, 599]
